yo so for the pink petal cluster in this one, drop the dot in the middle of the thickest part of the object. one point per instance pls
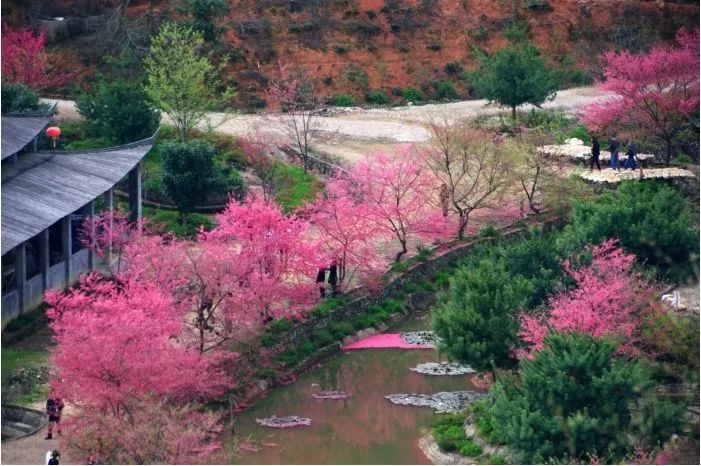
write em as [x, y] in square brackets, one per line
[609, 300]
[648, 93]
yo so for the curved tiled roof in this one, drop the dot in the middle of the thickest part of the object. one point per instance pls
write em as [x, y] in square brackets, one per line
[18, 129]
[42, 188]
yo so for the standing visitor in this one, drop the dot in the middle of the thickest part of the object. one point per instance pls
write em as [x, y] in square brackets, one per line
[445, 199]
[630, 161]
[321, 278]
[54, 407]
[595, 152]
[613, 148]
[333, 277]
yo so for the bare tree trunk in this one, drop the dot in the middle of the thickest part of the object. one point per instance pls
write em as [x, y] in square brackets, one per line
[402, 252]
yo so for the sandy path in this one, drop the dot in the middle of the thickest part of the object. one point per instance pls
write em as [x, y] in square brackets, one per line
[354, 134]
[31, 450]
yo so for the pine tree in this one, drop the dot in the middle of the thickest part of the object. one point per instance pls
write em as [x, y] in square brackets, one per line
[477, 317]
[576, 401]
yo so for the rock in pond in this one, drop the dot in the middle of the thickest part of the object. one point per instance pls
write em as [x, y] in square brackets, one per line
[284, 421]
[442, 402]
[331, 395]
[442, 368]
[422, 337]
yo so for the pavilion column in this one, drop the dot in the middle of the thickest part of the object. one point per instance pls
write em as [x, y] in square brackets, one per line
[135, 211]
[109, 206]
[44, 258]
[89, 211]
[67, 240]
[35, 144]
[21, 275]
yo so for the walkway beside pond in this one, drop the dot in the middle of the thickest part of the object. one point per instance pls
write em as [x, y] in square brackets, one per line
[32, 449]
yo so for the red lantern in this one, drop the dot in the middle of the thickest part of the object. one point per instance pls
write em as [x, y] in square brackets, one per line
[53, 132]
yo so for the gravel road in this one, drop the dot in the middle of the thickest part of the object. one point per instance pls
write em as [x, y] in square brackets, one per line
[353, 134]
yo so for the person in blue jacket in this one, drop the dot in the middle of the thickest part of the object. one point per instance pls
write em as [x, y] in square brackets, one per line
[613, 148]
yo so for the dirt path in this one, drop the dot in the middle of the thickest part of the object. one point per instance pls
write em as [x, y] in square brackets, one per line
[357, 133]
[31, 450]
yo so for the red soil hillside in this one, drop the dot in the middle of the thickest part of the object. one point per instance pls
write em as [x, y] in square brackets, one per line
[352, 46]
[397, 43]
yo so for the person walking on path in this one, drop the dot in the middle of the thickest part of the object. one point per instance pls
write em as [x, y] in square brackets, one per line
[595, 152]
[630, 161]
[613, 148]
[54, 407]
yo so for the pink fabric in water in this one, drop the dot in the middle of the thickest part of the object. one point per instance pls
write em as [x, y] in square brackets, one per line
[383, 340]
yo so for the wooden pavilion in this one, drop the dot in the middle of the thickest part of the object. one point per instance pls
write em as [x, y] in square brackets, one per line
[45, 196]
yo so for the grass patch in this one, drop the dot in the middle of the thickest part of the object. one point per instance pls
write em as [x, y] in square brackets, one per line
[492, 459]
[293, 187]
[341, 329]
[13, 360]
[450, 436]
[24, 376]
[488, 231]
[327, 306]
[169, 221]
[482, 419]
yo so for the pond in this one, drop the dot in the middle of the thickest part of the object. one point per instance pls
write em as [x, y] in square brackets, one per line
[363, 429]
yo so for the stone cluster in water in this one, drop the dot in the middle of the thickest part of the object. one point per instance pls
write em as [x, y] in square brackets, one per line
[443, 368]
[331, 395]
[442, 402]
[423, 337]
[284, 421]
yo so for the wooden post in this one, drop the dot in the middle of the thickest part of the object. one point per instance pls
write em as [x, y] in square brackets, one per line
[66, 243]
[135, 211]
[44, 258]
[89, 211]
[109, 206]
[21, 276]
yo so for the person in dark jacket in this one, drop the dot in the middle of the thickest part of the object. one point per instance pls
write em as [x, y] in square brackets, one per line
[595, 152]
[55, 456]
[333, 277]
[321, 278]
[54, 407]
[632, 157]
[613, 148]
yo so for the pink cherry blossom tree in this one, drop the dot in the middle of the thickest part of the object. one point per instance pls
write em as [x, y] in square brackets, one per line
[25, 61]
[399, 194]
[276, 252]
[256, 265]
[116, 340]
[147, 430]
[609, 299]
[650, 94]
[348, 235]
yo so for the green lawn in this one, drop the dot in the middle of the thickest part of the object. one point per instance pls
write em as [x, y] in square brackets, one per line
[13, 359]
[294, 187]
[32, 392]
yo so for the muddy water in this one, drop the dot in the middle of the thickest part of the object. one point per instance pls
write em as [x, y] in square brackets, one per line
[364, 429]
